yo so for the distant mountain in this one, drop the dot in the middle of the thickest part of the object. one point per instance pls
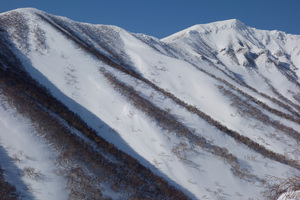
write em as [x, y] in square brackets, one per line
[96, 112]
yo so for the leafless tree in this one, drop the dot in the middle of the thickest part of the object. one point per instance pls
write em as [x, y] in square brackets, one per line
[289, 186]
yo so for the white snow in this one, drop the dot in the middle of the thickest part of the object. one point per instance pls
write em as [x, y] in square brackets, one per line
[73, 77]
[21, 149]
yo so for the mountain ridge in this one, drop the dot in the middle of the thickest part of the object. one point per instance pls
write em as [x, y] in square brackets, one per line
[185, 109]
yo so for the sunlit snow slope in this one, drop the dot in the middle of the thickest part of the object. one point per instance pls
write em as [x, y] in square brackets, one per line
[213, 110]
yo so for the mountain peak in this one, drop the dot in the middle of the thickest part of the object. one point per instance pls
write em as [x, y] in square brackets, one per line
[25, 10]
[214, 27]
[221, 25]
[234, 22]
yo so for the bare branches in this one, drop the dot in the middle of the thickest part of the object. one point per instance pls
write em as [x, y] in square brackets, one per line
[7, 191]
[289, 187]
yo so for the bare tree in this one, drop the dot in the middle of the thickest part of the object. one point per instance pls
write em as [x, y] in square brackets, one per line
[290, 187]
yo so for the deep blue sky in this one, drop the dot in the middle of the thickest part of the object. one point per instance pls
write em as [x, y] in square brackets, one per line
[161, 18]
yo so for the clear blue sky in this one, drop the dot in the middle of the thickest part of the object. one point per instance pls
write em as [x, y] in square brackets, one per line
[160, 18]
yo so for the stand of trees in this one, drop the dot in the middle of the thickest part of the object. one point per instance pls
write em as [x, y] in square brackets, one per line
[7, 191]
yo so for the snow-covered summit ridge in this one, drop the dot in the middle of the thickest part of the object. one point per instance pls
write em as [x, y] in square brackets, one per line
[24, 10]
[213, 27]
[28, 13]
[231, 38]
[33, 13]
[120, 83]
[233, 26]
[219, 25]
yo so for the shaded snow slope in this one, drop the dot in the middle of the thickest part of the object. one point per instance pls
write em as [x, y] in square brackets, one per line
[27, 160]
[213, 109]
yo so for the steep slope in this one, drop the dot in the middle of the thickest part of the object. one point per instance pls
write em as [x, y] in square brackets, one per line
[213, 109]
[28, 156]
[260, 59]
[92, 167]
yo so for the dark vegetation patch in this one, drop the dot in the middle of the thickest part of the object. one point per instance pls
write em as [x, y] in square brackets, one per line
[245, 108]
[7, 191]
[295, 118]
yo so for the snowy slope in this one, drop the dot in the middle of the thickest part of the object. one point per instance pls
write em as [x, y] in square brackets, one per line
[245, 51]
[27, 159]
[212, 109]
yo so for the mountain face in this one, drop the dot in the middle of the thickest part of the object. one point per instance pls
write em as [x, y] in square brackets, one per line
[96, 112]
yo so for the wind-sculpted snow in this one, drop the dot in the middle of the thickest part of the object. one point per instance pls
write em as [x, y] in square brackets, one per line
[207, 113]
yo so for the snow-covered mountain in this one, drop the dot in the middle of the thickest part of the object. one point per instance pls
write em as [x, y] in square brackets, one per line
[96, 112]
